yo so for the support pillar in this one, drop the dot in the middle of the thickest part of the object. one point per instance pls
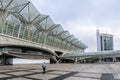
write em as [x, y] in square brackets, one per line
[103, 59]
[76, 60]
[114, 59]
[100, 59]
[59, 61]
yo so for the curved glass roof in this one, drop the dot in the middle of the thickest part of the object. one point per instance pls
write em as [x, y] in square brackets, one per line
[57, 30]
[22, 12]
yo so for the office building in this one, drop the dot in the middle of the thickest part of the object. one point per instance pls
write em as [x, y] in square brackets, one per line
[104, 41]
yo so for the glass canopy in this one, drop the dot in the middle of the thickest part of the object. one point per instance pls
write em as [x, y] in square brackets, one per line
[19, 18]
[91, 54]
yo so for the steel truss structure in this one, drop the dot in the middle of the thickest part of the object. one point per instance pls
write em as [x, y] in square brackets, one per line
[20, 19]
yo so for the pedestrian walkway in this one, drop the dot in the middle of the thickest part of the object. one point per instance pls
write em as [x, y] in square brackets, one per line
[61, 72]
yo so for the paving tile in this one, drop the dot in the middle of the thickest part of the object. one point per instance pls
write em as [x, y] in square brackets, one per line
[3, 76]
[88, 75]
[59, 72]
[43, 76]
[79, 78]
[19, 78]
[19, 73]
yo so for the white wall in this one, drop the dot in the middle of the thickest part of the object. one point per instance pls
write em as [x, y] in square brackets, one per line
[27, 61]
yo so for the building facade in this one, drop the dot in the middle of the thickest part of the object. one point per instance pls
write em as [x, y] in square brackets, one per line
[26, 33]
[104, 41]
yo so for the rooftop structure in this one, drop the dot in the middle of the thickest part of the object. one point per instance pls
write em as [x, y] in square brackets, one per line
[23, 29]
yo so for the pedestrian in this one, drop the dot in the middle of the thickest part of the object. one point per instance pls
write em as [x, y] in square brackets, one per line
[44, 67]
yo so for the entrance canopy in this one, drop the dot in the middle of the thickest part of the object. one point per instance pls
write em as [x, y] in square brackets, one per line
[92, 54]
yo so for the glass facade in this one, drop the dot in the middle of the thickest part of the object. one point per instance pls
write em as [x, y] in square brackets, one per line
[104, 42]
[20, 19]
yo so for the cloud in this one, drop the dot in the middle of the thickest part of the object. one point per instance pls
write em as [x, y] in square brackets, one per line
[86, 32]
[83, 17]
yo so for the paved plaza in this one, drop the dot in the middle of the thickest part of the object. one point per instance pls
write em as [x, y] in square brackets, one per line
[109, 71]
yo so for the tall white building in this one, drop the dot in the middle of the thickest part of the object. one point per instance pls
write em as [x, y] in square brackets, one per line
[104, 41]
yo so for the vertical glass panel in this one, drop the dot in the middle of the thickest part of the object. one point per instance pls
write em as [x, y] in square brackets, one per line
[22, 31]
[35, 36]
[9, 29]
[4, 28]
[16, 30]
[41, 37]
[26, 34]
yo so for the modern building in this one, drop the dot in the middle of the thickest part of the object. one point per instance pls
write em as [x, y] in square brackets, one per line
[27, 36]
[104, 41]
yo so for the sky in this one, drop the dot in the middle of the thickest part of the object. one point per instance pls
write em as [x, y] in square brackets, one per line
[83, 17]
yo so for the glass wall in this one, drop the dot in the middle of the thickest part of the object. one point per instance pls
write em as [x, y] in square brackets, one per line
[22, 20]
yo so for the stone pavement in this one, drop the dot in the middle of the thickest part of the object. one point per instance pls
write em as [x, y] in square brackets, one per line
[61, 72]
